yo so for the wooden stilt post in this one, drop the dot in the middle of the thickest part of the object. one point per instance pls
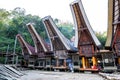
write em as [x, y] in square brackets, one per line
[64, 63]
[87, 63]
[94, 59]
[83, 62]
[118, 60]
[57, 62]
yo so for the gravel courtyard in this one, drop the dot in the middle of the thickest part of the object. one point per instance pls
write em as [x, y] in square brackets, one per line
[45, 75]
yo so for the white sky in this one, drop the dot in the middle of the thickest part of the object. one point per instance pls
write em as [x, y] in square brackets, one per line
[96, 10]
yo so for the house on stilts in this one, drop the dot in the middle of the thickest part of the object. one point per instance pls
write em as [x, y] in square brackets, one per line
[60, 45]
[85, 39]
[113, 33]
[28, 52]
[42, 49]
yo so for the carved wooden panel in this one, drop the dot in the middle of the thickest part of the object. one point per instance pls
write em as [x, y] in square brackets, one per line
[116, 40]
[61, 54]
[86, 50]
[117, 36]
[85, 38]
[86, 44]
[117, 49]
[58, 45]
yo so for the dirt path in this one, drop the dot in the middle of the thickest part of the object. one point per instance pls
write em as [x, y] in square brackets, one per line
[43, 75]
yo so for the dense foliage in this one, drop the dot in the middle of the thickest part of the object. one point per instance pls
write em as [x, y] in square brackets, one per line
[101, 37]
[14, 22]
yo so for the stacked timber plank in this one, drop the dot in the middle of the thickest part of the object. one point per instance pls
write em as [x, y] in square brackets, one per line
[9, 73]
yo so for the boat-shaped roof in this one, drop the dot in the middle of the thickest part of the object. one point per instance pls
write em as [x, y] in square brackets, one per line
[113, 20]
[81, 22]
[26, 48]
[57, 39]
[40, 44]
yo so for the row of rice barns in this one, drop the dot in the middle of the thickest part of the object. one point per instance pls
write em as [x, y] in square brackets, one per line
[84, 49]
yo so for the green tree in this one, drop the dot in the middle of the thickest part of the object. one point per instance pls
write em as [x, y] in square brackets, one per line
[101, 37]
[14, 22]
[4, 19]
[66, 29]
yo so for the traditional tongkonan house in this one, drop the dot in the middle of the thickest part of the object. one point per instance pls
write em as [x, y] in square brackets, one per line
[113, 34]
[41, 48]
[28, 53]
[60, 45]
[85, 39]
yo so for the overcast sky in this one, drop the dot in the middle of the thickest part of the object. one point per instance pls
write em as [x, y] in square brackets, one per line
[96, 10]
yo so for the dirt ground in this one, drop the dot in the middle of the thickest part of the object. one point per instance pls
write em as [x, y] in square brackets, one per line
[47, 75]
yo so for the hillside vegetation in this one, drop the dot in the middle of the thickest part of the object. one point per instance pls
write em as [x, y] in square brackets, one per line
[14, 22]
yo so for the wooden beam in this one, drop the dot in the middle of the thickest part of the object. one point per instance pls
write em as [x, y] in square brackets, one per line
[81, 29]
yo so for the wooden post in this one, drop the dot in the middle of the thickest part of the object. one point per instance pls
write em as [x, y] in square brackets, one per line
[118, 60]
[94, 60]
[87, 63]
[16, 60]
[83, 62]
[64, 63]
[57, 62]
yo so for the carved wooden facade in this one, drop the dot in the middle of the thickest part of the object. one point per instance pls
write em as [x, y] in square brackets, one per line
[116, 27]
[60, 44]
[85, 44]
[113, 22]
[28, 52]
[113, 36]
[116, 41]
[86, 41]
